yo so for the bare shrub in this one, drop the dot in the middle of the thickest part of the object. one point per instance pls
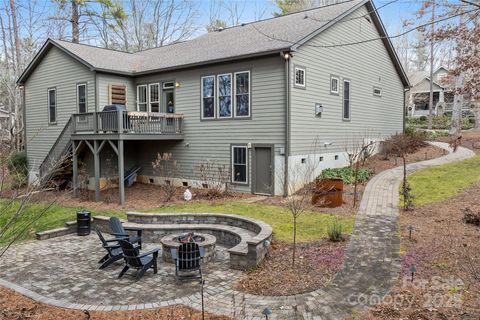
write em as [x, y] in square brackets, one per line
[110, 173]
[471, 217]
[166, 166]
[215, 177]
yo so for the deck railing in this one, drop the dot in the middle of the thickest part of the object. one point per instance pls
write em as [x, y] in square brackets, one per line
[127, 122]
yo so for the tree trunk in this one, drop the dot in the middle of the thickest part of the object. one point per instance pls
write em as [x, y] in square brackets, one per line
[17, 70]
[75, 22]
[430, 102]
[294, 239]
[455, 126]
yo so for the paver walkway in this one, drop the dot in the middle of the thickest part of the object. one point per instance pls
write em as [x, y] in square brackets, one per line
[370, 270]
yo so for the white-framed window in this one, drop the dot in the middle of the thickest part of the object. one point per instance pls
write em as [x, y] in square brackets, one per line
[346, 99]
[208, 97]
[142, 103]
[377, 91]
[224, 104]
[154, 97]
[52, 105]
[240, 164]
[242, 94]
[300, 77]
[334, 85]
[82, 98]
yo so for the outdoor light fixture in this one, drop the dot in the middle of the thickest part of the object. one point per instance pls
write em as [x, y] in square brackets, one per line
[286, 55]
[266, 312]
[410, 230]
[413, 269]
[177, 85]
[266, 243]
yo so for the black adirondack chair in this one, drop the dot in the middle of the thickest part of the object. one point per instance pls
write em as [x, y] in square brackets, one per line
[114, 252]
[136, 260]
[188, 261]
[121, 233]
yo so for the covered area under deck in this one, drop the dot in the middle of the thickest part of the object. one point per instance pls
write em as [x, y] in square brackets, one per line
[97, 131]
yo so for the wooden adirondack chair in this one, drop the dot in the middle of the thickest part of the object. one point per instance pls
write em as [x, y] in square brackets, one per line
[188, 260]
[136, 260]
[121, 233]
[114, 252]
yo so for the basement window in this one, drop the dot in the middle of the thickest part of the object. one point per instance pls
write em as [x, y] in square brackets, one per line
[239, 164]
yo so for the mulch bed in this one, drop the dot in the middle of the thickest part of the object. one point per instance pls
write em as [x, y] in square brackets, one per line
[14, 306]
[470, 139]
[139, 196]
[446, 253]
[316, 264]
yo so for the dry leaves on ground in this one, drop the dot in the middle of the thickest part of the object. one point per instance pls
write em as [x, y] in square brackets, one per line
[14, 306]
[315, 266]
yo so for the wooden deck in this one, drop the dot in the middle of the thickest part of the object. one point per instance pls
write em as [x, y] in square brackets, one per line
[127, 125]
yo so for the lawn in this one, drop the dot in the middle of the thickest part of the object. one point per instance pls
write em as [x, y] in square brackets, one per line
[440, 183]
[36, 218]
[311, 225]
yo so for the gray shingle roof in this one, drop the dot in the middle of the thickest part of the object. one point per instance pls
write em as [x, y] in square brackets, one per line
[250, 39]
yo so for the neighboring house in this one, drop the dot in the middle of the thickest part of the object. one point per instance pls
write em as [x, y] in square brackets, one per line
[254, 98]
[418, 97]
[7, 120]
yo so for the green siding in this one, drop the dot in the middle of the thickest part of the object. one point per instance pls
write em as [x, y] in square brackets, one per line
[105, 79]
[211, 139]
[365, 65]
[61, 71]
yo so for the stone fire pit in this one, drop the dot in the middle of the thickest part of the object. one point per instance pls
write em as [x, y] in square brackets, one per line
[206, 241]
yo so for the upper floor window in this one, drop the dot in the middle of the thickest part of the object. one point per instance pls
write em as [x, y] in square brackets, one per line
[208, 97]
[242, 94]
[224, 95]
[300, 77]
[346, 99]
[334, 84]
[82, 98]
[52, 106]
[154, 92]
[142, 98]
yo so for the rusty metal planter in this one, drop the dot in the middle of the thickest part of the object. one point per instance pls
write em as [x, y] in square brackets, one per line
[328, 193]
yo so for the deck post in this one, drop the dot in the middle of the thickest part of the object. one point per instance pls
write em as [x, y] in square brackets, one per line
[96, 158]
[121, 173]
[75, 169]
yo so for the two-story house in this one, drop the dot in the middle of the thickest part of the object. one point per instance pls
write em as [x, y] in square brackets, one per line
[253, 97]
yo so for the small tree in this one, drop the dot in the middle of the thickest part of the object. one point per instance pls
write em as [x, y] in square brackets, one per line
[165, 166]
[400, 145]
[215, 177]
[299, 188]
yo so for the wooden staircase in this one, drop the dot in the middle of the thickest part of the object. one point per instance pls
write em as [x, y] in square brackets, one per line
[58, 162]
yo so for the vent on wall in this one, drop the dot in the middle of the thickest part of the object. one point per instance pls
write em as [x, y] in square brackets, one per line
[321, 159]
[304, 160]
[117, 94]
[150, 180]
[185, 183]
[336, 157]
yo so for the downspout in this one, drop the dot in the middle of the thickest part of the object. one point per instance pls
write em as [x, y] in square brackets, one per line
[286, 56]
[405, 108]
[96, 90]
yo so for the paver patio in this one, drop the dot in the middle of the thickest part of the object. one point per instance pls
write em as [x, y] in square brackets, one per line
[63, 271]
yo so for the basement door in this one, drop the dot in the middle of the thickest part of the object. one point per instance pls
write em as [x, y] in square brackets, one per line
[263, 169]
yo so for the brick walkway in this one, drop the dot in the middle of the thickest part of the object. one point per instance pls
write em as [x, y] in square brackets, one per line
[370, 270]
